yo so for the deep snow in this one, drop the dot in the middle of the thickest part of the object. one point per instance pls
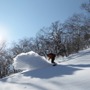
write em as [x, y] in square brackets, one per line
[73, 73]
[30, 60]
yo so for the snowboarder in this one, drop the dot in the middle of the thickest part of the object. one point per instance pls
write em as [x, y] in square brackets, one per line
[51, 56]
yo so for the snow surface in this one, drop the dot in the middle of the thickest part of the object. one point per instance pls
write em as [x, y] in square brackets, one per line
[73, 73]
[30, 60]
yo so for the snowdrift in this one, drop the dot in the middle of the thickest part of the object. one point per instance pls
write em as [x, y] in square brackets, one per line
[30, 60]
[72, 74]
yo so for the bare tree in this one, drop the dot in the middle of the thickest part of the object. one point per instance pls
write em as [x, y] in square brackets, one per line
[86, 6]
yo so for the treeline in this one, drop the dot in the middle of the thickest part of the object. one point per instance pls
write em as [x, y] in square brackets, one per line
[74, 34]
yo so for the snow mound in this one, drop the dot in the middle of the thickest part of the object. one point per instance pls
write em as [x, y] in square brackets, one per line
[30, 60]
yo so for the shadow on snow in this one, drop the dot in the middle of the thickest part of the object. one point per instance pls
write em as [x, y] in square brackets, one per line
[54, 71]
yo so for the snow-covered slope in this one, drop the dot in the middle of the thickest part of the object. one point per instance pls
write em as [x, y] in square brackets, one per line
[72, 74]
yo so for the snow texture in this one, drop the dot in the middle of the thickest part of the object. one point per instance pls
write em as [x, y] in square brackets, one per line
[72, 73]
[30, 60]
